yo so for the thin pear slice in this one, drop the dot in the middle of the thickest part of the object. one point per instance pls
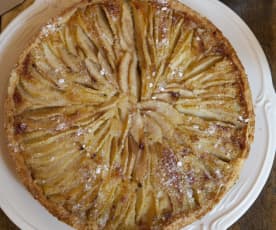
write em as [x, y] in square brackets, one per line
[204, 113]
[52, 59]
[86, 44]
[153, 132]
[124, 72]
[202, 65]
[163, 108]
[133, 79]
[137, 129]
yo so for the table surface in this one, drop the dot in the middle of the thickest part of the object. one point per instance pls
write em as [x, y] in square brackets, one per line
[260, 15]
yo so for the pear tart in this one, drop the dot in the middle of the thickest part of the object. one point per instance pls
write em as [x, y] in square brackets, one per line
[129, 115]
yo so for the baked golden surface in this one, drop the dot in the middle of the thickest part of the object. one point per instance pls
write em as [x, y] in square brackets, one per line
[129, 115]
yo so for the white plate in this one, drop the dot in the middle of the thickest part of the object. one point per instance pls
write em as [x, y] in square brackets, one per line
[28, 214]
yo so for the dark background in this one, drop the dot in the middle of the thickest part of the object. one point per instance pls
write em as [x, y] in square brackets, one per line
[260, 16]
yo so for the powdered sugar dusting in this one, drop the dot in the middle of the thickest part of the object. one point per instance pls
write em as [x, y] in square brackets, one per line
[211, 129]
[61, 126]
[162, 2]
[172, 177]
[79, 132]
[101, 169]
[242, 119]
[61, 81]
[103, 72]
[50, 28]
